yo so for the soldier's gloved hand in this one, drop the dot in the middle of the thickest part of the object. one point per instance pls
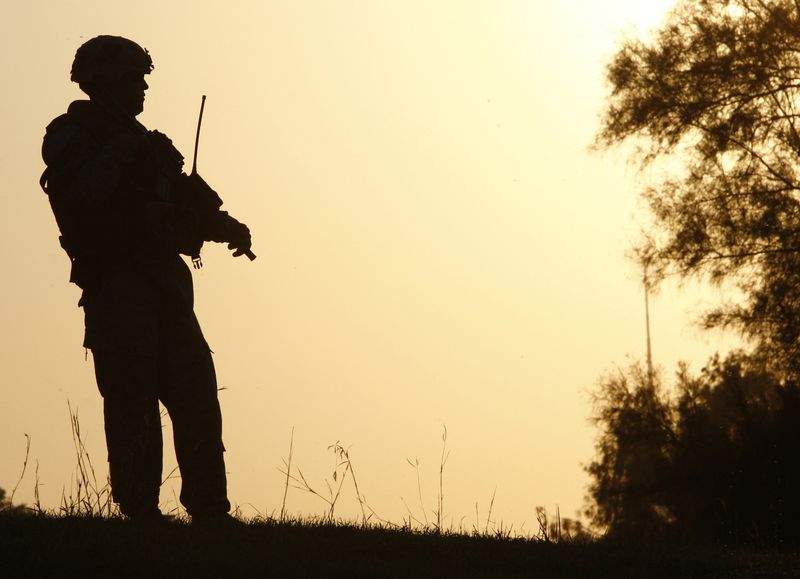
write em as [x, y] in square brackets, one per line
[237, 236]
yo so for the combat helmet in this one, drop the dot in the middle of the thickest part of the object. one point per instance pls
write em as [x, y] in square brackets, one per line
[107, 59]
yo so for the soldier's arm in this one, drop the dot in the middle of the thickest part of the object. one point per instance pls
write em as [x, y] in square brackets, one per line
[215, 224]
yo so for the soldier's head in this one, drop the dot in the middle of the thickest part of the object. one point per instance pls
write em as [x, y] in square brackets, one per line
[112, 69]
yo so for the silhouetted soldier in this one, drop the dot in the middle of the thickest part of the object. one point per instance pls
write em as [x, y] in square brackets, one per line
[126, 211]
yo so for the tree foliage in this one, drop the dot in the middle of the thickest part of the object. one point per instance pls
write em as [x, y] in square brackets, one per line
[636, 424]
[715, 90]
[716, 460]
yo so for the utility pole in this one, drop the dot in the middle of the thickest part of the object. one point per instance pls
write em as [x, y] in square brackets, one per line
[650, 375]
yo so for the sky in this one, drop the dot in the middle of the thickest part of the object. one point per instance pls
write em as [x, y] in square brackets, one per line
[438, 249]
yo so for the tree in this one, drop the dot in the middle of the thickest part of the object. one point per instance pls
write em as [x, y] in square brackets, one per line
[714, 92]
[713, 461]
[636, 426]
[735, 473]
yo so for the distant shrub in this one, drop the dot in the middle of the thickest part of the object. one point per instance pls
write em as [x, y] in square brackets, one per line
[6, 508]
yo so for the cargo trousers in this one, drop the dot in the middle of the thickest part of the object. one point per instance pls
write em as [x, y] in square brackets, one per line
[148, 348]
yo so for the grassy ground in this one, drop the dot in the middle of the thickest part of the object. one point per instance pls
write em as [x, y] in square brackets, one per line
[39, 546]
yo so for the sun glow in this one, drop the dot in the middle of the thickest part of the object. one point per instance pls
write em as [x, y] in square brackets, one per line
[436, 245]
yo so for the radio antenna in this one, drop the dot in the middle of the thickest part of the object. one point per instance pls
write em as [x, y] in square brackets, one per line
[197, 263]
[197, 136]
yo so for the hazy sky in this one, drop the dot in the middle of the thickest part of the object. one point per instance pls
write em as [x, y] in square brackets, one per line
[437, 246]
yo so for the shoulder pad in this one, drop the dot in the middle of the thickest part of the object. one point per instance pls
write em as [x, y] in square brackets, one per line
[60, 133]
